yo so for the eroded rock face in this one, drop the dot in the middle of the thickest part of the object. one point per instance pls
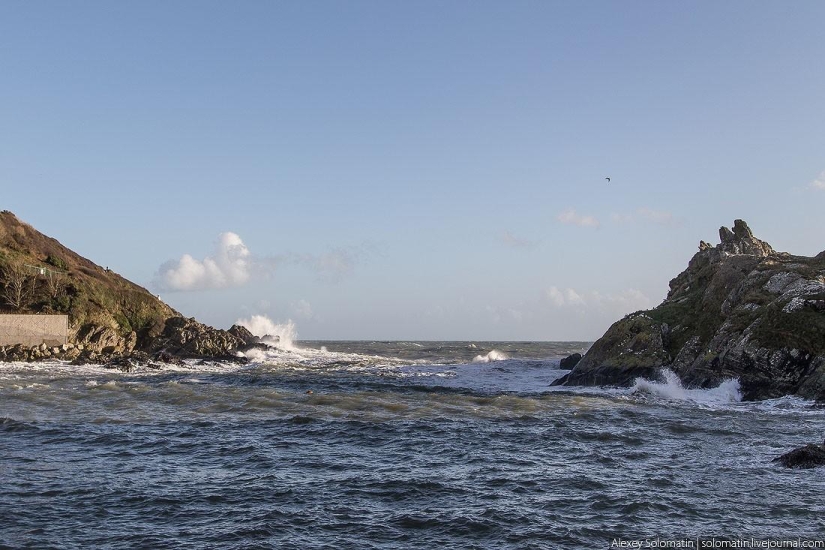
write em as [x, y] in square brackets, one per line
[742, 241]
[739, 310]
[105, 340]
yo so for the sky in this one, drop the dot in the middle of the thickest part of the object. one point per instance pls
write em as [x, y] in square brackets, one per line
[412, 170]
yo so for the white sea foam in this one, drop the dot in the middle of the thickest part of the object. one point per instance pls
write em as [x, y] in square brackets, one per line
[494, 355]
[672, 389]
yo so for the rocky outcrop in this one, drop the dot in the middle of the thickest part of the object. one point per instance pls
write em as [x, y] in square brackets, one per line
[20, 352]
[189, 338]
[809, 456]
[742, 241]
[106, 340]
[243, 334]
[740, 310]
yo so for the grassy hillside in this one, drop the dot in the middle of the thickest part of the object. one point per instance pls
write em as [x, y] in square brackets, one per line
[40, 275]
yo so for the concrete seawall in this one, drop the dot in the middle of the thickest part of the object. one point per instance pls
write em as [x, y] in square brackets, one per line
[33, 330]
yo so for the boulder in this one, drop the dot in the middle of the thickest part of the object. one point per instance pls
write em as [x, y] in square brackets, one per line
[99, 338]
[808, 456]
[243, 334]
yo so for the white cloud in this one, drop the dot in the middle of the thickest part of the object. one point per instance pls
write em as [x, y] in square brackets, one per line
[626, 301]
[819, 183]
[509, 315]
[331, 266]
[556, 296]
[572, 297]
[516, 242]
[302, 309]
[570, 217]
[621, 218]
[659, 217]
[656, 216]
[229, 265]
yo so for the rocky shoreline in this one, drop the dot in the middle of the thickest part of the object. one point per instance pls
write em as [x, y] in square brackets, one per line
[181, 339]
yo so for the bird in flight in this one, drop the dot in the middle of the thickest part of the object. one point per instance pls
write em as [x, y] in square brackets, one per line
[608, 180]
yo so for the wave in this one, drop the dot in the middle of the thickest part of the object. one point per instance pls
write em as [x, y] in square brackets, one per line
[672, 389]
[8, 424]
[494, 355]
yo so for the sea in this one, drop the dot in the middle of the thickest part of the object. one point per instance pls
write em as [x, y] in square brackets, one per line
[361, 445]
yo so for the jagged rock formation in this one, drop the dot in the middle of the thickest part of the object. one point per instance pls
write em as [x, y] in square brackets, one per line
[740, 310]
[109, 316]
[189, 338]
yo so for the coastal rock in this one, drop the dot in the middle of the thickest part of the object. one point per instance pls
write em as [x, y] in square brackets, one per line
[742, 241]
[808, 456]
[167, 358]
[188, 338]
[106, 340]
[631, 348]
[570, 361]
[243, 334]
[740, 310]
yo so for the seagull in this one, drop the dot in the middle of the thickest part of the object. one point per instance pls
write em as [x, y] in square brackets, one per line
[608, 180]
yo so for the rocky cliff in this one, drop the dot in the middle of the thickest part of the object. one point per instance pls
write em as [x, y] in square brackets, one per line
[739, 310]
[108, 314]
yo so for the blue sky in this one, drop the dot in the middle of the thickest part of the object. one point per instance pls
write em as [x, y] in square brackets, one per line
[418, 170]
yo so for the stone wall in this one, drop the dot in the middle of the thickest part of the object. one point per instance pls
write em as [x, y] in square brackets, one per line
[33, 330]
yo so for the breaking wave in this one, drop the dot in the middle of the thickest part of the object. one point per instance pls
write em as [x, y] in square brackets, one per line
[282, 336]
[672, 389]
[494, 355]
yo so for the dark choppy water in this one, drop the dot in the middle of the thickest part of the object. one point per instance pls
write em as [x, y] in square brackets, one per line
[399, 445]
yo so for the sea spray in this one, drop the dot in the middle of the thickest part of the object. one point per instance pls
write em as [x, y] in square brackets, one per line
[671, 388]
[282, 336]
[494, 355]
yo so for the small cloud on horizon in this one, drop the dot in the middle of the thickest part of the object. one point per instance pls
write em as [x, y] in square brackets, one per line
[302, 309]
[231, 264]
[819, 183]
[659, 217]
[656, 216]
[332, 266]
[570, 217]
[564, 297]
[512, 241]
[626, 301]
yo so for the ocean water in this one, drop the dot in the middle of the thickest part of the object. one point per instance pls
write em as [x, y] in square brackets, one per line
[391, 445]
